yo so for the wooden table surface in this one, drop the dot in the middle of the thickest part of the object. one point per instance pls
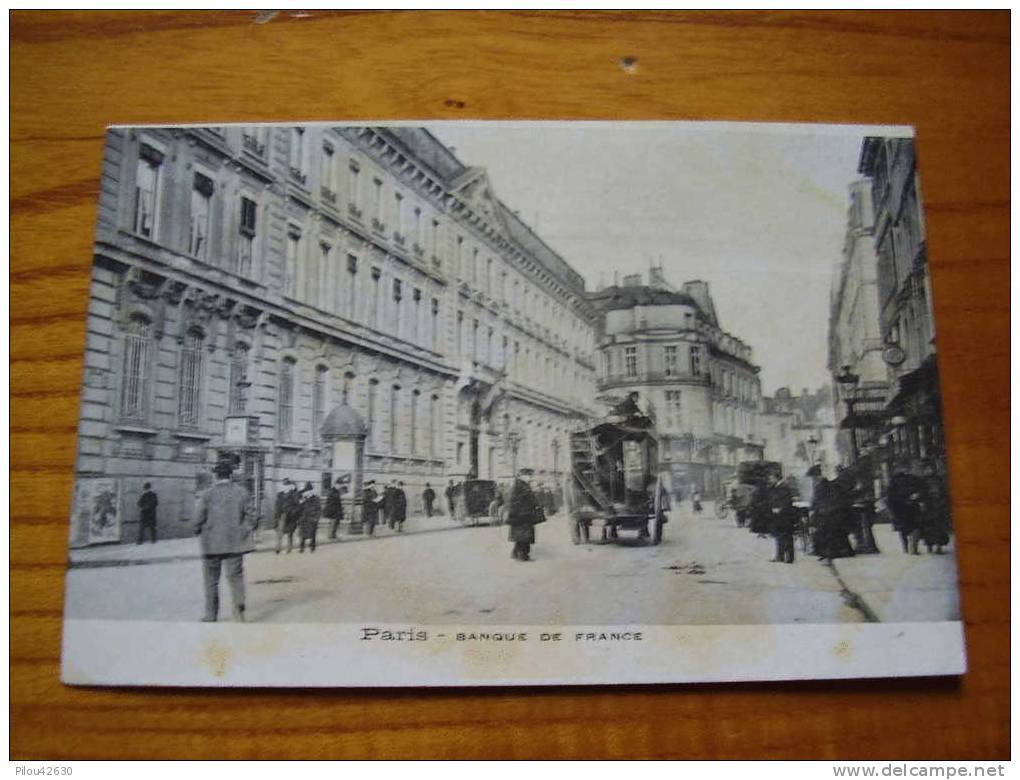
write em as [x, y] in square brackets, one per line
[946, 73]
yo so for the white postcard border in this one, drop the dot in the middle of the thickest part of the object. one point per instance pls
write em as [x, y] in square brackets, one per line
[117, 652]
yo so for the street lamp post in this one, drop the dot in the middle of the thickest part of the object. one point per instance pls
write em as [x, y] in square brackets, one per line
[812, 448]
[513, 439]
[848, 385]
[862, 504]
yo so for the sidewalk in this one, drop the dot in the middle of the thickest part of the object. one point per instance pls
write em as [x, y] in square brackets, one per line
[901, 588]
[184, 549]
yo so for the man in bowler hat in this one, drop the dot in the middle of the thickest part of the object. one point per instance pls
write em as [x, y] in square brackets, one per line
[523, 513]
[225, 526]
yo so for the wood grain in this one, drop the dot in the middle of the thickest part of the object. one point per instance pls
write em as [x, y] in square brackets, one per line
[75, 72]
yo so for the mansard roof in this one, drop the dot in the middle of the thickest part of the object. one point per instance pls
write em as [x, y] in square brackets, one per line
[473, 183]
[617, 297]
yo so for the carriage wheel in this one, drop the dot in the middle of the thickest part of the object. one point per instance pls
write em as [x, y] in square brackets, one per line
[657, 529]
[657, 520]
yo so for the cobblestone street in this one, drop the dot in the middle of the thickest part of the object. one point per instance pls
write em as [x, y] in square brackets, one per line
[707, 571]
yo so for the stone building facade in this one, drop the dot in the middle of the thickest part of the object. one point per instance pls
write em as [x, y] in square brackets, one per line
[913, 407]
[800, 431]
[248, 280]
[855, 338]
[697, 381]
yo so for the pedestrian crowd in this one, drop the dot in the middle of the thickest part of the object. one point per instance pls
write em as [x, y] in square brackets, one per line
[838, 521]
[226, 521]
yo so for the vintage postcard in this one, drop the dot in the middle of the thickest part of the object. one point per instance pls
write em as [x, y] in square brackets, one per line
[490, 403]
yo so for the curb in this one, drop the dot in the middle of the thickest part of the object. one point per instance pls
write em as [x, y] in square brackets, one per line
[112, 562]
[853, 599]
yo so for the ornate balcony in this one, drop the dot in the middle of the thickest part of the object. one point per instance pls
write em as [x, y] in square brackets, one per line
[298, 175]
[354, 211]
[378, 226]
[418, 249]
[328, 195]
[251, 143]
[399, 238]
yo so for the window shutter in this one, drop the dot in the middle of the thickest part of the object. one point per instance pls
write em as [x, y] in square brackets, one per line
[204, 185]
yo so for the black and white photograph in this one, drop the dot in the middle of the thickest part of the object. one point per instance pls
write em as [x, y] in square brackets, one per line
[476, 403]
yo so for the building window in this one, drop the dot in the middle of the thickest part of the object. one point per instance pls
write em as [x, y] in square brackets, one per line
[348, 386]
[434, 425]
[239, 384]
[318, 401]
[286, 400]
[373, 400]
[630, 361]
[460, 334]
[248, 230]
[416, 228]
[488, 276]
[488, 357]
[674, 410]
[328, 173]
[136, 376]
[376, 297]
[415, 395]
[672, 360]
[695, 361]
[352, 290]
[434, 240]
[474, 267]
[147, 185]
[392, 432]
[377, 194]
[434, 330]
[474, 340]
[398, 213]
[290, 268]
[201, 206]
[318, 284]
[297, 154]
[416, 323]
[253, 139]
[189, 385]
[398, 296]
[458, 258]
[354, 187]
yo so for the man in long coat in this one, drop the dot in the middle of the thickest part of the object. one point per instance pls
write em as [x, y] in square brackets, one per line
[334, 509]
[451, 498]
[523, 513]
[286, 512]
[147, 504]
[428, 498]
[935, 519]
[906, 501]
[782, 517]
[398, 507]
[390, 504]
[308, 519]
[369, 507]
[225, 525]
[829, 506]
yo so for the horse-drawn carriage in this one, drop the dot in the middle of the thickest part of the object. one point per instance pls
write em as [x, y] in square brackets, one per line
[473, 499]
[616, 482]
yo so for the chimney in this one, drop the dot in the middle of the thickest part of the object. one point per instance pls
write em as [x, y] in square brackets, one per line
[698, 290]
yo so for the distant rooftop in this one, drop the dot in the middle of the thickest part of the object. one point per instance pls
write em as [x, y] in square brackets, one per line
[629, 295]
[430, 150]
